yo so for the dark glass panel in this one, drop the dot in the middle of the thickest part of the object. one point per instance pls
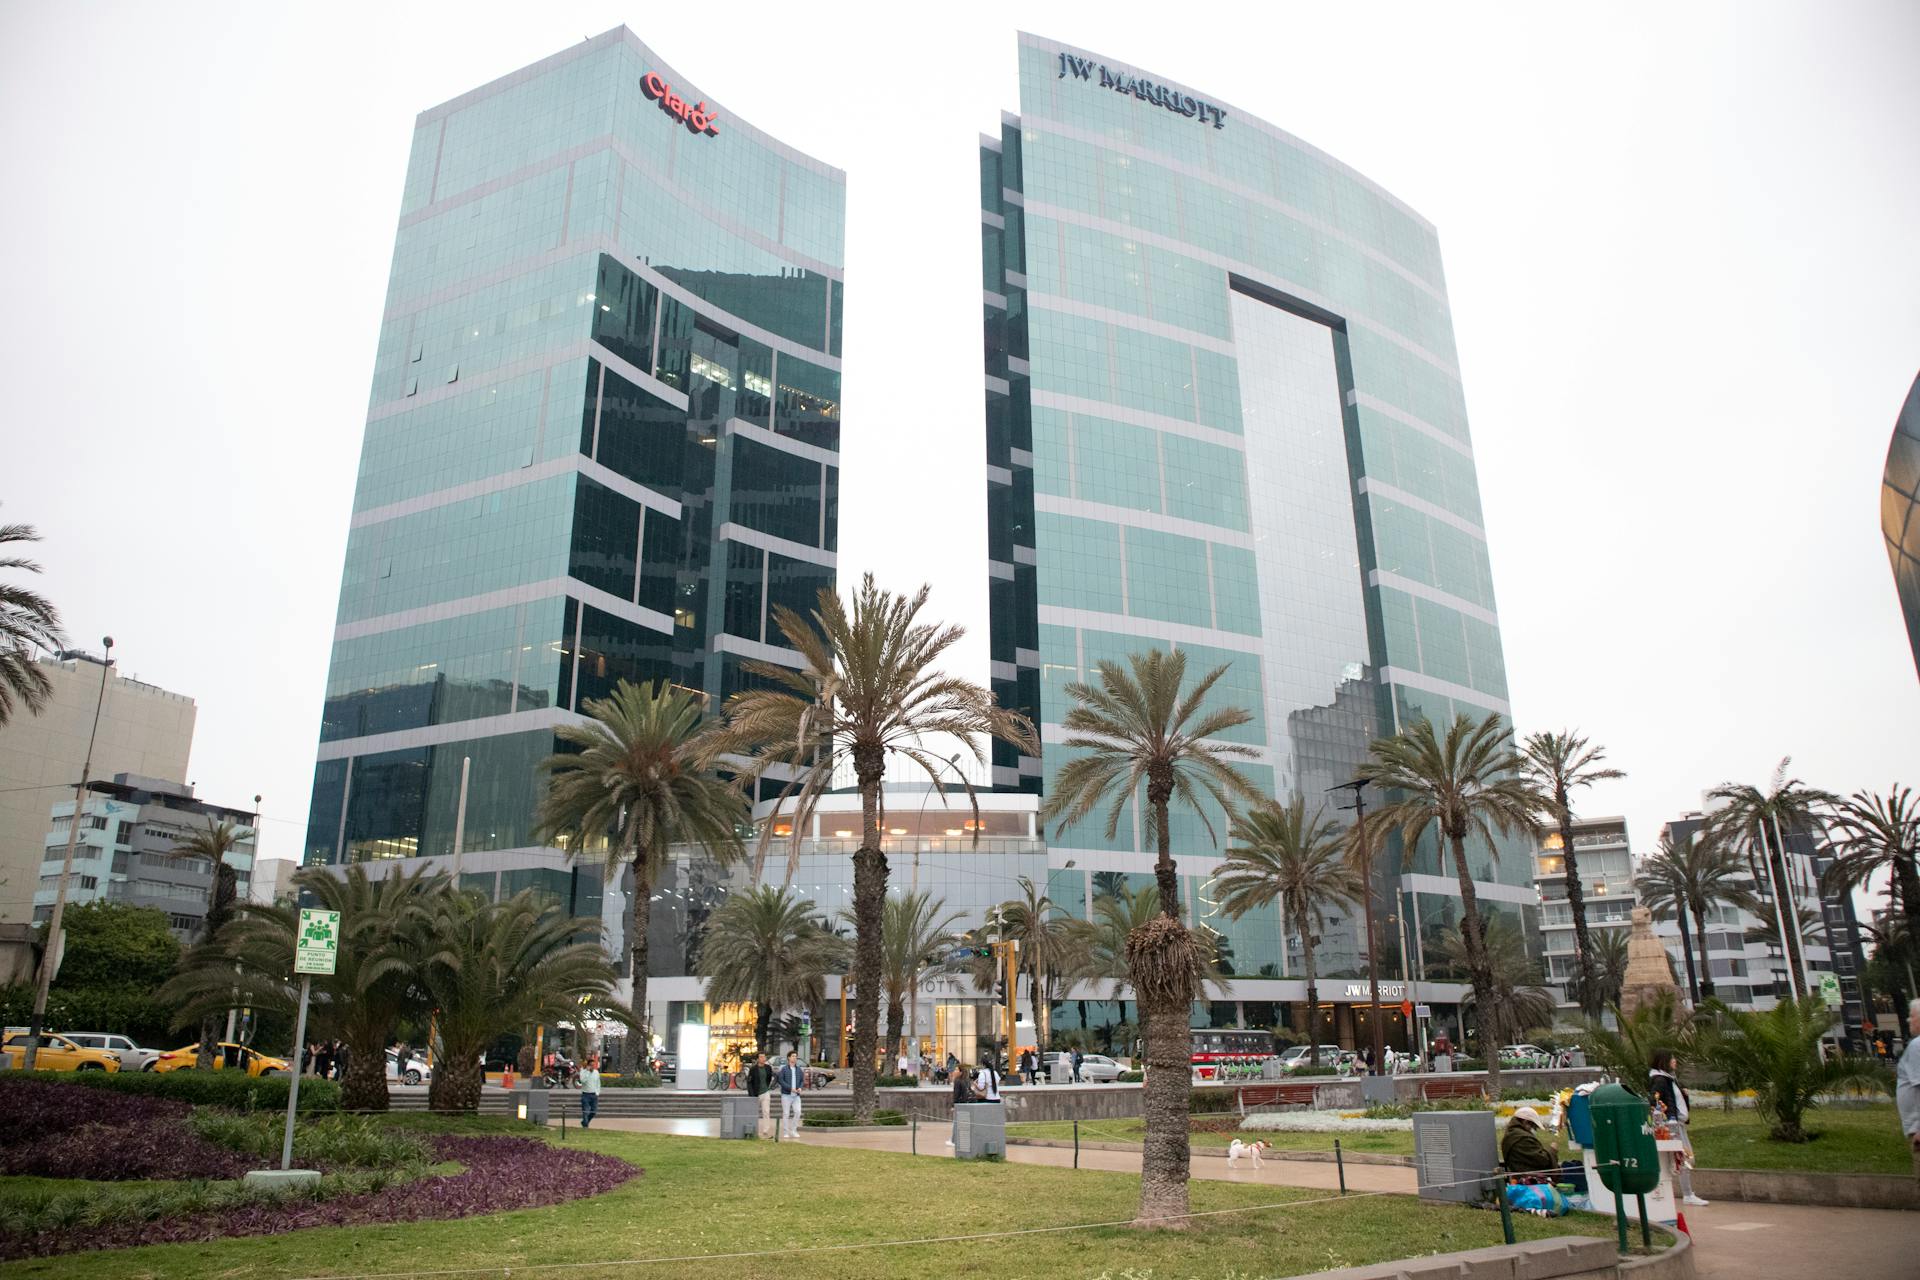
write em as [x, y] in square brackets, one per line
[745, 573]
[676, 343]
[606, 539]
[660, 556]
[775, 491]
[807, 402]
[754, 400]
[623, 314]
[641, 436]
[386, 806]
[323, 813]
[797, 585]
[613, 649]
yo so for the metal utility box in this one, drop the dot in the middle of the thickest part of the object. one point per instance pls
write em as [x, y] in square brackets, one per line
[1377, 1089]
[979, 1129]
[1455, 1154]
[739, 1116]
[1061, 1072]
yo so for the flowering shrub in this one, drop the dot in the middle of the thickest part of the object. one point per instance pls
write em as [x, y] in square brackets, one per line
[1319, 1122]
[500, 1174]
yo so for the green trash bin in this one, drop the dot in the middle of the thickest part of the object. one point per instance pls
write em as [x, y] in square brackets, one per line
[1624, 1150]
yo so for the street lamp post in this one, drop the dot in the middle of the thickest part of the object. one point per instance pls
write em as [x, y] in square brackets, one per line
[1374, 1027]
[51, 951]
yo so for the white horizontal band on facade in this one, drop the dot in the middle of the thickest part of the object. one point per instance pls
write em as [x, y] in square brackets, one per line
[786, 444]
[1259, 274]
[1449, 887]
[1016, 365]
[994, 220]
[1027, 658]
[1138, 418]
[1176, 633]
[1002, 671]
[1134, 518]
[577, 463]
[731, 532]
[1016, 279]
[999, 475]
[1025, 555]
[434, 735]
[1000, 385]
[1373, 404]
[998, 301]
[742, 647]
[526, 593]
[1037, 301]
[1000, 569]
[1425, 506]
[1413, 587]
[1021, 457]
[1445, 688]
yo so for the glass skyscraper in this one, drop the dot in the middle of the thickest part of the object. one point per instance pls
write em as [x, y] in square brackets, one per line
[1900, 513]
[1225, 416]
[602, 442]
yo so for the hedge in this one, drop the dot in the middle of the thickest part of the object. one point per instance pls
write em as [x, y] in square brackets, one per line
[644, 1080]
[843, 1119]
[233, 1090]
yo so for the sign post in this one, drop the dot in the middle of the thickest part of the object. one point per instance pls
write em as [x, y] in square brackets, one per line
[314, 951]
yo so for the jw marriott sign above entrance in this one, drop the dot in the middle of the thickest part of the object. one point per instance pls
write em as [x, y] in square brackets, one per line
[1146, 90]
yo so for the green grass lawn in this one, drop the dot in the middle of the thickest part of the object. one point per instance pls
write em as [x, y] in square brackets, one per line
[1853, 1139]
[699, 1197]
[1393, 1143]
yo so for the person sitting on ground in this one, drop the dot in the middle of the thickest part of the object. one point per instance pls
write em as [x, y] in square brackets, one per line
[1521, 1150]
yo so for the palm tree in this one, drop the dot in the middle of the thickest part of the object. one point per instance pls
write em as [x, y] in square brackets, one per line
[1517, 1000]
[1047, 943]
[640, 780]
[1874, 833]
[372, 987]
[1624, 1051]
[1776, 1053]
[1283, 854]
[766, 945]
[213, 845]
[493, 967]
[28, 621]
[1787, 806]
[1609, 954]
[1142, 725]
[868, 688]
[917, 931]
[1806, 922]
[1469, 783]
[1099, 955]
[1560, 764]
[1691, 879]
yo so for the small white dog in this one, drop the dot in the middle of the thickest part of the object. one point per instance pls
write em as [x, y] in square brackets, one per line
[1239, 1148]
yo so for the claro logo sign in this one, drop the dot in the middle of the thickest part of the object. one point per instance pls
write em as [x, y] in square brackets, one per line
[698, 119]
[1146, 90]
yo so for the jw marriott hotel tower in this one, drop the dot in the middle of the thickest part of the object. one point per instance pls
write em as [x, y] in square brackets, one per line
[602, 443]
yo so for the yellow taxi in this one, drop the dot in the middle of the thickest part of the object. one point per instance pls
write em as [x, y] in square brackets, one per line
[226, 1057]
[57, 1053]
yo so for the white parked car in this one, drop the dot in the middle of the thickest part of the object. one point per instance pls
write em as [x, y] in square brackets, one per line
[1300, 1055]
[1094, 1067]
[418, 1072]
[132, 1056]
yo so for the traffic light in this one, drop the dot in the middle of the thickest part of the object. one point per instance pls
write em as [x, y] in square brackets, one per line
[983, 952]
[1000, 993]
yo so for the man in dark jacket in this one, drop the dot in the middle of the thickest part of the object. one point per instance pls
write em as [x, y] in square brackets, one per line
[759, 1082]
[1521, 1150]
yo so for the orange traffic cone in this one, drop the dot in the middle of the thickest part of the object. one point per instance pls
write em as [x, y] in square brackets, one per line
[1680, 1221]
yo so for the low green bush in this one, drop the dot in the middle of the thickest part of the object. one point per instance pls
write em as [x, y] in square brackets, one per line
[842, 1119]
[1298, 1072]
[1213, 1101]
[1469, 1064]
[645, 1080]
[230, 1089]
[1130, 1077]
[897, 1082]
[337, 1141]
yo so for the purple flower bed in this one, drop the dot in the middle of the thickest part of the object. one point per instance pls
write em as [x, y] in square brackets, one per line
[57, 1131]
[501, 1174]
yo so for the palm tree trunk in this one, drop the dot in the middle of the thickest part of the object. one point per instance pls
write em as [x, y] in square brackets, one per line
[633, 1057]
[1706, 966]
[762, 1019]
[1166, 1097]
[209, 1036]
[1686, 951]
[1577, 904]
[456, 1081]
[869, 906]
[896, 1028]
[1776, 856]
[1036, 1001]
[1474, 932]
[1313, 989]
[1906, 878]
[364, 1087]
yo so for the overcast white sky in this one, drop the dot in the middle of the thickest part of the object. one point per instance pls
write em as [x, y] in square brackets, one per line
[1682, 245]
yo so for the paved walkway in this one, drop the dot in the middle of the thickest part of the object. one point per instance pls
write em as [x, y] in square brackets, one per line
[1732, 1241]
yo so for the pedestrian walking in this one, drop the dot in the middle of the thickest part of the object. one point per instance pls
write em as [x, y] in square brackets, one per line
[401, 1056]
[340, 1057]
[1907, 1088]
[590, 1091]
[324, 1060]
[1671, 1097]
[1078, 1058]
[759, 1085]
[793, 1078]
[962, 1092]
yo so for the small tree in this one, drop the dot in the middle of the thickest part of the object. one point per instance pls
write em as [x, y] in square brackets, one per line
[916, 932]
[766, 945]
[1776, 1053]
[1626, 1051]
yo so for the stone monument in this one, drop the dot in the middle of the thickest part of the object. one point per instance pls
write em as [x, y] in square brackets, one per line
[1648, 972]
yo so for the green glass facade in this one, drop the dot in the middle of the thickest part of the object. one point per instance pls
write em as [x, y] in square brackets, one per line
[602, 441]
[1225, 416]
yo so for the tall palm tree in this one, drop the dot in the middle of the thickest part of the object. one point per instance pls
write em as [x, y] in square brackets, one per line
[1560, 764]
[1047, 946]
[1284, 854]
[1874, 833]
[212, 845]
[1609, 954]
[1516, 1001]
[493, 967]
[867, 688]
[1469, 783]
[766, 945]
[373, 985]
[1692, 879]
[1762, 823]
[1143, 726]
[640, 779]
[28, 621]
[917, 931]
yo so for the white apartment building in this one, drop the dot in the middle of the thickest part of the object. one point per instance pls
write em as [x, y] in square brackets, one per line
[1603, 859]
